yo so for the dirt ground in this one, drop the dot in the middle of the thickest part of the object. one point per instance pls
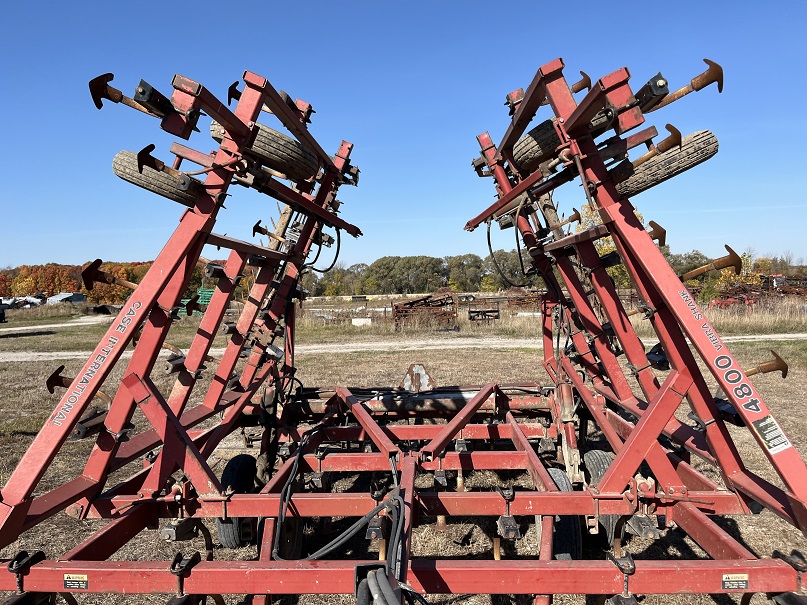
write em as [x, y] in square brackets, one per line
[24, 405]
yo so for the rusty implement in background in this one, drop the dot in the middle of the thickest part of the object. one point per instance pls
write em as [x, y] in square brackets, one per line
[346, 481]
[436, 309]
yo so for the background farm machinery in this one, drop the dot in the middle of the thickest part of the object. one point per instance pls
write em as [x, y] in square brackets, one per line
[348, 480]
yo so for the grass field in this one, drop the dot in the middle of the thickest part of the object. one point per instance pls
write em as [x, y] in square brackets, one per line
[771, 316]
[25, 404]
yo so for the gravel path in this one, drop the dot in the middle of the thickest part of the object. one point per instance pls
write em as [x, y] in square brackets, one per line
[388, 345]
[79, 321]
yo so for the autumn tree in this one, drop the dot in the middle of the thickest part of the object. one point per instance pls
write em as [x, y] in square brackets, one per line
[5, 285]
[590, 218]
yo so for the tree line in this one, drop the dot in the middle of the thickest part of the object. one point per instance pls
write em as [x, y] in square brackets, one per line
[471, 273]
[386, 275]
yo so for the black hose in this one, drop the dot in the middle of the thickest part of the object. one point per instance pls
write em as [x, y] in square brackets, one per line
[498, 268]
[347, 535]
[285, 499]
[516, 232]
[375, 589]
[394, 503]
[288, 488]
[395, 536]
[336, 256]
[316, 258]
[386, 587]
[363, 596]
[412, 596]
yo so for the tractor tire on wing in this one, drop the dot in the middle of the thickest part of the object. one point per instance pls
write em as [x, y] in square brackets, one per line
[537, 146]
[279, 152]
[540, 143]
[695, 149]
[125, 166]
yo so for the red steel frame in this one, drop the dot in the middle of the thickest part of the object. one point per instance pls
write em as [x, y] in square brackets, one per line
[367, 430]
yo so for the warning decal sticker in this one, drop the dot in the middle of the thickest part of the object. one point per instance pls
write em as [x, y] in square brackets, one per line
[74, 581]
[772, 436]
[735, 581]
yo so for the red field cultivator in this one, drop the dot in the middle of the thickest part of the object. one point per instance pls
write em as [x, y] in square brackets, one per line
[348, 479]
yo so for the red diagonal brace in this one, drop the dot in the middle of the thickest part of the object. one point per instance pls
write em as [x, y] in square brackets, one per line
[293, 120]
[436, 446]
[214, 108]
[538, 473]
[375, 432]
[646, 433]
[178, 449]
[289, 196]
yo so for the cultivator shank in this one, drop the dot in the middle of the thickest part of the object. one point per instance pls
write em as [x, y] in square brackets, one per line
[353, 487]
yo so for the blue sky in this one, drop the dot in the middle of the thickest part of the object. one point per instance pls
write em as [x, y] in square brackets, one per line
[411, 85]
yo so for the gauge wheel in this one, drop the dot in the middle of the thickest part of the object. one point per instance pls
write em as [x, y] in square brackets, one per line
[695, 149]
[596, 463]
[567, 537]
[239, 476]
[185, 192]
[279, 152]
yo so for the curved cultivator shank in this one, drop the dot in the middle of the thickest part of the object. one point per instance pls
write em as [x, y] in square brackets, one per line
[351, 488]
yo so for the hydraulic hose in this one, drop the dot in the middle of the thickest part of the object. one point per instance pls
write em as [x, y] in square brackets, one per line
[363, 593]
[386, 588]
[375, 589]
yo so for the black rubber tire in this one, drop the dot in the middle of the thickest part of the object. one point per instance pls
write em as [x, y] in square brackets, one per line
[291, 541]
[695, 149]
[125, 166]
[537, 146]
[567, 538]
[238, 474]
[540, 143]
[596, 463]
[279, 152]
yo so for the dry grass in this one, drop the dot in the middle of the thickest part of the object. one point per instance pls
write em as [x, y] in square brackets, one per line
[45, 314]
[769, 316]
[84, 337]
[312, 329]
[461, 366]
